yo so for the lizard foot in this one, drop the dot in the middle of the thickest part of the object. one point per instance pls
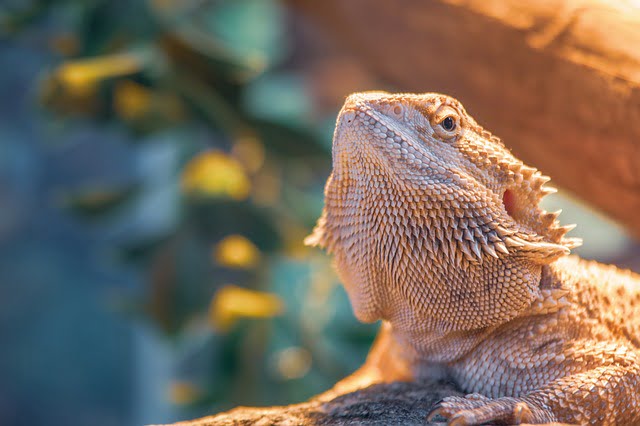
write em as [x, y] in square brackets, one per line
[476, 409]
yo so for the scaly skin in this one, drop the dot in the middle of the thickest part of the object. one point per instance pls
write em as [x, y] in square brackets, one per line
[435, 228]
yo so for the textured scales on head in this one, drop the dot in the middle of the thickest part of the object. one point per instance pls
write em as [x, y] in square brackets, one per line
[426, 204]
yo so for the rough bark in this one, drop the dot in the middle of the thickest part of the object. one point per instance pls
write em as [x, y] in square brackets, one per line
[387, 404]
[396, 403]
[558, 80]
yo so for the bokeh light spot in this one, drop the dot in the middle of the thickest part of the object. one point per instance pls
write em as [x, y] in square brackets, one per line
[216, 174]
[236, 251]
[232, 303]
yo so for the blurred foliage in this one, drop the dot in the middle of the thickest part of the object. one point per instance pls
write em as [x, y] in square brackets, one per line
[213, 78]
[232, 303]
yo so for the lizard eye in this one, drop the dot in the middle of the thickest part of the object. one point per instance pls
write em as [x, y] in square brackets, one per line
[449, 124]
[445, 122]
[397, 111]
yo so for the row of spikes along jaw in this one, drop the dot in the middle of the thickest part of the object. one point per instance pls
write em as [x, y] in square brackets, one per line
[538, 231]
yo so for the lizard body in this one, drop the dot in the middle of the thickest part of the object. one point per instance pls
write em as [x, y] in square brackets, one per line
[435, 228]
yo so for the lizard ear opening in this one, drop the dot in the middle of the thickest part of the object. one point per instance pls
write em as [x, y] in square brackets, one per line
[509, 201]
[544, 242]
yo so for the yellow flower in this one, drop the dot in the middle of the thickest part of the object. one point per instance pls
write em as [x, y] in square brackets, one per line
[235, 251]
[214, 173]
[82, 75]
[232, 303]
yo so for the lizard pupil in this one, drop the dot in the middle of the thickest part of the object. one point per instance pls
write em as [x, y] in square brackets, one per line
[448, 124]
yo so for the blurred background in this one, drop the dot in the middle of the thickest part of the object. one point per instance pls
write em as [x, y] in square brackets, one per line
[160, 164]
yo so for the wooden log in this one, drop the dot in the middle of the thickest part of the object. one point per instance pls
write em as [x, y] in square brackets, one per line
[395, 403]
[558, 80]
[385, 404]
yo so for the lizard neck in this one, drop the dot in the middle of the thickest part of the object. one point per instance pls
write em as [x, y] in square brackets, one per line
[423, 346]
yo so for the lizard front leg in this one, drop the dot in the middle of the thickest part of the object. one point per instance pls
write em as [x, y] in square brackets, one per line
[608, 394]
[384, 364]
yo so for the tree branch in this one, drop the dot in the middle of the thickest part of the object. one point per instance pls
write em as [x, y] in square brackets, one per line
[395, 403]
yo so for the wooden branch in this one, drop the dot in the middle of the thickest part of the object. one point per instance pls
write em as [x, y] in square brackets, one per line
[558, 80]
[396, 403]
[389, 404]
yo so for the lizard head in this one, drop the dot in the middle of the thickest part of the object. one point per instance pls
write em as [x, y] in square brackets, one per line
[432, 222]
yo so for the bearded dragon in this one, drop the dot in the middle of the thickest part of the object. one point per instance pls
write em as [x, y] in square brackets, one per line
[435, 228]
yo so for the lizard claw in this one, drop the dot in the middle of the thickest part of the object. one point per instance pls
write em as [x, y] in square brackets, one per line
[435, 411]
[457, 420]
[522, 413]
[475, 409]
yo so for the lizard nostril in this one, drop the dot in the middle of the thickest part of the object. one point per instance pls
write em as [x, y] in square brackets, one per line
[509, 201]
[349, 116]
